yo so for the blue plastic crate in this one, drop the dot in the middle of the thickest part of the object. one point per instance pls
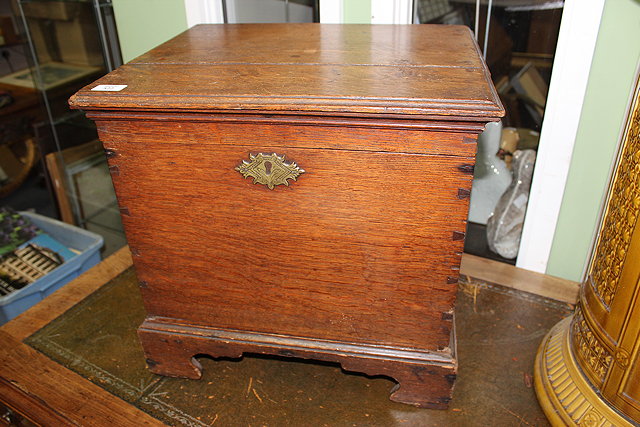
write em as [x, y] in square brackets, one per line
[83, 241]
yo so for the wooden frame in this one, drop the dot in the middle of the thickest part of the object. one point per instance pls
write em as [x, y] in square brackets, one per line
[62, 166]
[44, 391]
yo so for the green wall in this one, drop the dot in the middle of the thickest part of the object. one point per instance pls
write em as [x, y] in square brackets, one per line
[611, 80]
[356, 11]
[144, 24]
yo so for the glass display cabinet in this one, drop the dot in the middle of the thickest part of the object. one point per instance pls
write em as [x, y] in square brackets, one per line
[70, 44]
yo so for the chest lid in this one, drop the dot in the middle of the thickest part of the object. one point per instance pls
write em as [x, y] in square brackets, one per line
[419, 71]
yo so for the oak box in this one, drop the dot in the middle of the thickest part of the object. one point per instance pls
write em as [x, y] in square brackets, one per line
[299, 190]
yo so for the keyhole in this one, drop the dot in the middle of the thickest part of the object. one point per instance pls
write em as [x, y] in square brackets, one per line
[267, 168]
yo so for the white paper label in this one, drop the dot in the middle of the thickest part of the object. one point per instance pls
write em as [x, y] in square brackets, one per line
[109, 88]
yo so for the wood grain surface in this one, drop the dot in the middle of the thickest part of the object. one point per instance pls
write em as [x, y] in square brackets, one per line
[433, 71]
[330, 44]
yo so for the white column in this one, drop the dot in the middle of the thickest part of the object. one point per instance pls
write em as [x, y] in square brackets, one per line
[331, 11]
[572, 63]
[391, 11]
[203, 12]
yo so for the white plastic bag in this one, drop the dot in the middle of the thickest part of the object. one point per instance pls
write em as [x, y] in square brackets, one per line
[504, 226]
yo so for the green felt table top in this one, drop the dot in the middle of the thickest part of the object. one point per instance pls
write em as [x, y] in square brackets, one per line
[498, 334]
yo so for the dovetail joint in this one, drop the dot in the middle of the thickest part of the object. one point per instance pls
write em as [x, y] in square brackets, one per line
[110, 153]
[466, 169]
[447, 315]
[457, 235]
[463, 193]
[450, 377]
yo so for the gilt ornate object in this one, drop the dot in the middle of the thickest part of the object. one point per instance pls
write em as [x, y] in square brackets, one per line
[588, 367]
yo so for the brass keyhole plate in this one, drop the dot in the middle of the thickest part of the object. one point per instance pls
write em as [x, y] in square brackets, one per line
[269, 169]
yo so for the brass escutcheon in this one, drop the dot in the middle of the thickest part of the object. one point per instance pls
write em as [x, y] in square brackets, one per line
[269, 169]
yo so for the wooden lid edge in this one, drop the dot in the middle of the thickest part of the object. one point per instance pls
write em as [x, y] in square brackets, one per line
[469, 110]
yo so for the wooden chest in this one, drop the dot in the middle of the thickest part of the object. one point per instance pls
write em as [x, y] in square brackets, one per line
[299, 190]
